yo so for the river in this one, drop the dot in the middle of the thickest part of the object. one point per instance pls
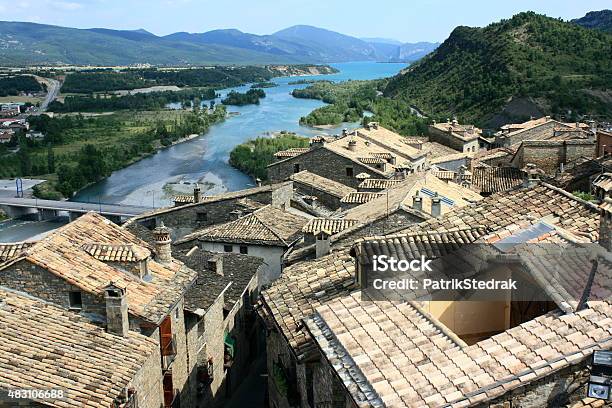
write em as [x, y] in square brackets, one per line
[152, 181]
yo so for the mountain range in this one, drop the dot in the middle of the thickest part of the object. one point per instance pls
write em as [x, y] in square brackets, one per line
[36, 44]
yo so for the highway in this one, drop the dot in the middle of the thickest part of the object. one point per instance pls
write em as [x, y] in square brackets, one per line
[53, 88]
[75, 207]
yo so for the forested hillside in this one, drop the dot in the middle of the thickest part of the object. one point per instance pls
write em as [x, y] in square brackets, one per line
[555, 66]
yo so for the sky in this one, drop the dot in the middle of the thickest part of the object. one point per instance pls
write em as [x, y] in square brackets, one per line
[403, 20]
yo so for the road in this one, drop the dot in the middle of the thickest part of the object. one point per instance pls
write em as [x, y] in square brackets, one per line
[53, 88]
[108, 209]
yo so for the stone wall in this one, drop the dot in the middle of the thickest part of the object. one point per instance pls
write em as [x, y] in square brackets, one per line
[323, 162]
[603, 139]
[277, 350]
[562, 388]
[36, 281]
[548, 155]
[187, 218]
[448, 139]
[328, 200]
[541, 132]
[148, 383]
[397, 220]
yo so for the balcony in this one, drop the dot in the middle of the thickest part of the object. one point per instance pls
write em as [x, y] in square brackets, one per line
[168, 353]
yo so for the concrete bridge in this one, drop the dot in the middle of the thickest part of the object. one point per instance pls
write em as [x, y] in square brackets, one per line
[47, 209]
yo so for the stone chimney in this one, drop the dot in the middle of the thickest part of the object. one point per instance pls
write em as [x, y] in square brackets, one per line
[258, 182]
[400, 173]
[605, 224]
[436, 206]
[322, 245]
[531, 175]
[117, 321]
[352, 145]
[215, 263]
[197, 194]
[163, 244]
[417, 202]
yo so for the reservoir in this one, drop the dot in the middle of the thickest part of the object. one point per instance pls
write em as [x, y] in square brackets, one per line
[153, 181]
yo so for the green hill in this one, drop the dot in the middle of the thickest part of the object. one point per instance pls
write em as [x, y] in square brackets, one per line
[502, 72]
[596, 20]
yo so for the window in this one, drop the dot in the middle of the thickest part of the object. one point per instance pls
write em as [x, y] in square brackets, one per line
[212, 265]
[202, 216]
[296, 168]
[228, 248]
[244, 249]
[349, 172]
[75, 300]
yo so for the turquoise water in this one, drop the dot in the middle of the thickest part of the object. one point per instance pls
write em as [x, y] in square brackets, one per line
[153, 181]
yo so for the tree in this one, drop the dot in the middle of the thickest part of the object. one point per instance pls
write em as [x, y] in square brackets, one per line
[50, 159]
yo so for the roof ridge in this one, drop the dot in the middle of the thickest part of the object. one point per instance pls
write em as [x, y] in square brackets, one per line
[267, 226]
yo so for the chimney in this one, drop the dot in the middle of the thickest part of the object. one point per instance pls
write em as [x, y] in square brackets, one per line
[163, 244]
[417, 202]
[215, 263]
[352, 145]
[258, 182]
[436, 206]
[344, 132]
[605, 224]
[197, 194]
[117, 321]
[322, 246]
[531, 175]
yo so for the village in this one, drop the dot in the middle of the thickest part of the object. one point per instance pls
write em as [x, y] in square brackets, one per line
[176, 306]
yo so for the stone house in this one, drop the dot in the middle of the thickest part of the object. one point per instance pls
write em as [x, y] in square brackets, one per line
[463, 138]
[374, 151]
[551, 155]
[602, 186]
[98, 270]
[536, 129]
[604, 143]
[222, 332]
[328, 193]
[308, 292]
[210, 210]
[46, 347]
[267, 233]
[416, 198]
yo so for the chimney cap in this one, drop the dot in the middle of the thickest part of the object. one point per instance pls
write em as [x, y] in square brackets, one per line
[161, 229]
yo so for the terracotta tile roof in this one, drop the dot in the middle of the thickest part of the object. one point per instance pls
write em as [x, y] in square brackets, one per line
[435, 150]
[603, 181]
[238, 271]
[463, 132]
[13, 250]
[401, 196]
[329, 225]
[378, 184]
[508, 207]
[295, 151]
[321, 183]
[184, 199]
[266, 226]
[117, 253]
[495, 179]
[62, 253]
[409, 359]
[360, 197]
[371, 160]
[450, 157]
[445, 175]
[306, 285]
[486, 156]
[232, 195]
[606, 205]
[45, 346]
